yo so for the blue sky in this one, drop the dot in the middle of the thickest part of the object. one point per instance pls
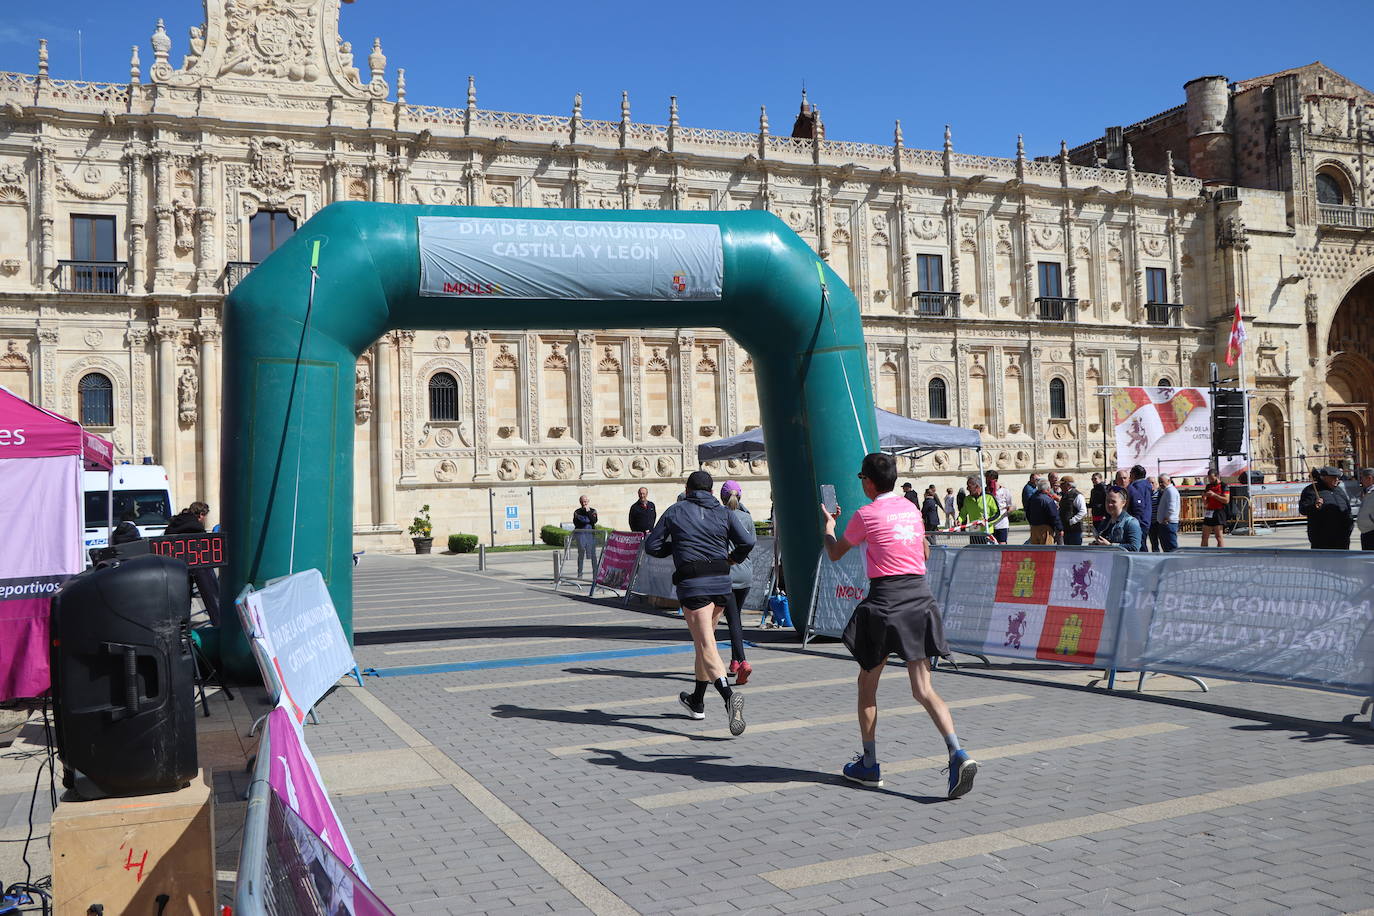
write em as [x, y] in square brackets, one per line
[991, 70]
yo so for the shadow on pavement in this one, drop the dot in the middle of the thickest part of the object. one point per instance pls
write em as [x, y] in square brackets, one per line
[628, 673]
[599, 718]
[702, 768]
[581, 631]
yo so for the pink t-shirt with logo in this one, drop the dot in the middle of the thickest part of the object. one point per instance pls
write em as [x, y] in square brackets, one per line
[894, 531]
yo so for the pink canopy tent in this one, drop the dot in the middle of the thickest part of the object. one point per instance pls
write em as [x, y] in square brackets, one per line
[42, 455]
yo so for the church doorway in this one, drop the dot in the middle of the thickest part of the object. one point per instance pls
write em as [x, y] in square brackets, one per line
[1349, 388]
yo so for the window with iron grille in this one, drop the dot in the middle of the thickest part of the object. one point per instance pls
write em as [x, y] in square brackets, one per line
[95, 395]
[443, 397]
[938, 403]
[1059, 402]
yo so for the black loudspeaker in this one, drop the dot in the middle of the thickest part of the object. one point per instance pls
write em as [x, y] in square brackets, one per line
[124, 678]
[1228, 421]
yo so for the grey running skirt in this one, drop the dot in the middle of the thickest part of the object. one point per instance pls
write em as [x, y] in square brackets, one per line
[897, 617]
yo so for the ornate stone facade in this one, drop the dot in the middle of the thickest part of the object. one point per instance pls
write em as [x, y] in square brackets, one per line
[1000, 291]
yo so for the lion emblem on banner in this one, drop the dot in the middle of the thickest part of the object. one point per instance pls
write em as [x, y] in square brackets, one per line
[1078, 579]
[1016, 628]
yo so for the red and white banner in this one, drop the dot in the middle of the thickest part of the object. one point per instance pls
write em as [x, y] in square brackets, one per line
[1235, 344]
[1167, 430]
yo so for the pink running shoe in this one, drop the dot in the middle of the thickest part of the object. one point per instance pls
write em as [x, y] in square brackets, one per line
[742, 673]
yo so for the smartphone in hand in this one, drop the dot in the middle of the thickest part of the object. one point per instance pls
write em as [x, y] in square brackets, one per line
[828, 498]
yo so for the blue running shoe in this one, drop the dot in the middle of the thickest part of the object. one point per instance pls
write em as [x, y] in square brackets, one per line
[855, 771]
[962, 769]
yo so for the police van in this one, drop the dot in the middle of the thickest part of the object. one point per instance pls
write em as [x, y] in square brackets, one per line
[143, 488]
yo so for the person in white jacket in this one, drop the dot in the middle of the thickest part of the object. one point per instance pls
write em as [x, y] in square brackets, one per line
[1364, 519]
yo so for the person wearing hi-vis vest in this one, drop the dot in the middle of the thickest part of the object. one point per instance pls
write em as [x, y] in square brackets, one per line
[979, 513]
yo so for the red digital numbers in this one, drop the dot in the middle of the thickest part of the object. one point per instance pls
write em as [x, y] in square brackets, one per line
[198, 551]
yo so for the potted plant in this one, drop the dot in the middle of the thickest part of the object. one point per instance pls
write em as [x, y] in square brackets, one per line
[422, 531]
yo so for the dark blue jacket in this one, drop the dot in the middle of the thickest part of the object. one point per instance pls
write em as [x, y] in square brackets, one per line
[699, 528]
[1141, 498]
[1041, 509]
[1125, 531]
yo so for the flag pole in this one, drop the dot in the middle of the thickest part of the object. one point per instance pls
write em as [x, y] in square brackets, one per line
[1249, 450]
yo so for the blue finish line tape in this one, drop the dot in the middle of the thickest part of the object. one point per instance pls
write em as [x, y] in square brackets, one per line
[530, 661]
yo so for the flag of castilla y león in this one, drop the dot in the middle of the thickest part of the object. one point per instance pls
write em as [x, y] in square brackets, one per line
[1168, 430]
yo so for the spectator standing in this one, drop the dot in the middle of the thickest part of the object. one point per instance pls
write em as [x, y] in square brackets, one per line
[930, 509]
[1029, 489]
[1043, 515]
[1054, 486]
[1365, 518]
[126, 532]
[1120, 527]
[1097, 500]
[1328, 511]
[951, 509]
[584, 532]
[910, 493]
[1215, 497]
[1152, 536]
[1073, 509]
[1167, 513]
[979, 512]
[1119, 482]
[643, 513]
[191, 520]
[1002, 528]
[1141, 498]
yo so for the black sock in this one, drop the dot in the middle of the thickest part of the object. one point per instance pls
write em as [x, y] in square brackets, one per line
[699, 694]
[724, 687]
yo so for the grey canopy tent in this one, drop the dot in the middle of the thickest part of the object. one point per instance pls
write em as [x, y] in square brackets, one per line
[897, 434]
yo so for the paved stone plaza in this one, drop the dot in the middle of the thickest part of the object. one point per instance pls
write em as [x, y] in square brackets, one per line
[578, 785]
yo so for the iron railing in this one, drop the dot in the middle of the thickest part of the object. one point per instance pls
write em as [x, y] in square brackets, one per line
[935, 305]
[235, 271]
[98, 277]
[1163, 314]
[1056, 308]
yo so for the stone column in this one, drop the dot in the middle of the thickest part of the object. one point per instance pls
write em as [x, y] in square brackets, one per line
[379, 169]
[136, 156]
[411, 413]
[167, 339]
[686, 374]
[473, 180]
[338, 172]
[47, 367]
[383, 413]
[209, 416]
[47, 210]
[207, 268]
[478, 341]
[137, 338]
[586, 398]
[166, 225]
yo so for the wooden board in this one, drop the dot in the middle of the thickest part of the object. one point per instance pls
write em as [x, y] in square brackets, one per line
[126, 852]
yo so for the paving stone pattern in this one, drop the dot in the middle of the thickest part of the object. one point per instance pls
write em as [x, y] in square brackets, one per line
[432, 850]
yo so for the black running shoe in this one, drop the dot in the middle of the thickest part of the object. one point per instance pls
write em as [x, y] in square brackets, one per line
[735, 707]
[694, 710]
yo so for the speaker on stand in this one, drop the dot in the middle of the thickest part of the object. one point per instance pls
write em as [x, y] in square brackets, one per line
[124, 679]
[1228, 421]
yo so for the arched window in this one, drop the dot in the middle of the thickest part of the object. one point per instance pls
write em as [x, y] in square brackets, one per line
[443, 396]
[938, 403]
[1059, 402]
[267, 231]
[96, 397]
[1329, 189]
[1165, 382]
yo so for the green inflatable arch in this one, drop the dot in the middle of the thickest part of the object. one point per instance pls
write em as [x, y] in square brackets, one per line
[288, 429]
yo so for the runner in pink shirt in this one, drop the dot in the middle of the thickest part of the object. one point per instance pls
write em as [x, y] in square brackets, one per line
[897, 616]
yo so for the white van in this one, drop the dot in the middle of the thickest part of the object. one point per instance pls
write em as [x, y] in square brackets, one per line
[144, 488]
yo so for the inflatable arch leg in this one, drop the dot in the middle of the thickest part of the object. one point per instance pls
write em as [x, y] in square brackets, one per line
[288, 426]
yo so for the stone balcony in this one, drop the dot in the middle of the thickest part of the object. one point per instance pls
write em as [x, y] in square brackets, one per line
[1344, 217]
[105, 278]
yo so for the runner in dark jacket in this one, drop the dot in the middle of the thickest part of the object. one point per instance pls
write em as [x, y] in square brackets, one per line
[703, 538]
